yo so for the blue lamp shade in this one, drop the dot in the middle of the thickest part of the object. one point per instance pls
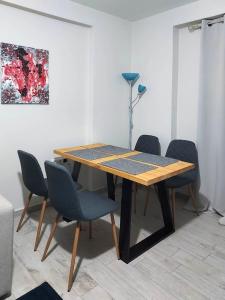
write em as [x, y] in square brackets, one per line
[130, 77]
[141, 89]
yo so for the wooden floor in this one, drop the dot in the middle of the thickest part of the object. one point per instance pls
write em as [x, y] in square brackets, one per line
[190, 264]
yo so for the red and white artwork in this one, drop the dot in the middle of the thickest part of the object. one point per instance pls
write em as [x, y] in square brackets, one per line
[24, 75]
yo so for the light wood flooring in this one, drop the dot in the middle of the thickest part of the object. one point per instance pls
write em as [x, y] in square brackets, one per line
[190, 264]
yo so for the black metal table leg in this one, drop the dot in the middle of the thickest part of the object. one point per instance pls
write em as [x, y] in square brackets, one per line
[128, 253]
[111, 186]
[165, 206]
[75, 175]
[125, 220]
[76, 170]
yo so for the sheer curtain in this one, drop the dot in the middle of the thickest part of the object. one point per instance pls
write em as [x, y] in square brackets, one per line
[211, 121]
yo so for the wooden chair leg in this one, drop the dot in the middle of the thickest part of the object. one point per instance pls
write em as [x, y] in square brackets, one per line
[44, 203]
[173, 203]
[52, 233]
[24, 212]
[90, 230]
[115, 236]
[146, 201]
[74, 254]
[135, 197]
[193, 198]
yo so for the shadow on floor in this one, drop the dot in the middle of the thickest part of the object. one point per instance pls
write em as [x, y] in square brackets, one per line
[102, 241]
[142, 226]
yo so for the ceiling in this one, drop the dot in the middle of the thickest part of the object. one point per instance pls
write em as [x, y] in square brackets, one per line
[133, 10]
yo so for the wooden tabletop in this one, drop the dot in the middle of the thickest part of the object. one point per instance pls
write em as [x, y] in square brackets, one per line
[147, 178]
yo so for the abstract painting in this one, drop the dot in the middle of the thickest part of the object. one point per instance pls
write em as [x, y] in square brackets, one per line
[24, 75]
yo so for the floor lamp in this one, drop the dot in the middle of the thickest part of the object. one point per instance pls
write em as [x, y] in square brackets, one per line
[131, 79]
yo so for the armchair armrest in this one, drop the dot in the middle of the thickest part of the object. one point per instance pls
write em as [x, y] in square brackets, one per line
[6, 246]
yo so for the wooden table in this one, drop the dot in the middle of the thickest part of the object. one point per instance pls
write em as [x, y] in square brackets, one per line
[156, 176]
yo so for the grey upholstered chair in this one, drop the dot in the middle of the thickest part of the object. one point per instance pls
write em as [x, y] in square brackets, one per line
[186, 151]
[76, 206]
[36, 184]
[147, 144]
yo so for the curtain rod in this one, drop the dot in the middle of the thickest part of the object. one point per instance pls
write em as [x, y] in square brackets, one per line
[210, 22]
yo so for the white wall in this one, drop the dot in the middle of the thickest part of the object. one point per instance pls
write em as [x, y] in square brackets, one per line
[110, 56]
[188, 83]
[85, 84]
[152, 56]
[41, 128]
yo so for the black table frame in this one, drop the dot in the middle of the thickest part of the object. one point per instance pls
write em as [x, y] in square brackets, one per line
[127, 252]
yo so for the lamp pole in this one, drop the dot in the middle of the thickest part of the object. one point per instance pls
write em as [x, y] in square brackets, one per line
[131, 79]
[130, 117]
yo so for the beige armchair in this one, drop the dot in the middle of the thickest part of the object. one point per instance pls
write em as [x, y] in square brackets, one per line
[6, 246]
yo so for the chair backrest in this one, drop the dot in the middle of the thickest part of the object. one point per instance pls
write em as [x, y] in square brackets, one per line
[148, 144]
[62, 191]
[183, 150]
[32, 174]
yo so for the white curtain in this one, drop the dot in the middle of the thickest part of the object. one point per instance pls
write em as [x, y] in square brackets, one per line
[211, 125]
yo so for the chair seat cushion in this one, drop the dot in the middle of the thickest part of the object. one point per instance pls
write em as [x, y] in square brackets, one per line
[95, 206]
[182, 180]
